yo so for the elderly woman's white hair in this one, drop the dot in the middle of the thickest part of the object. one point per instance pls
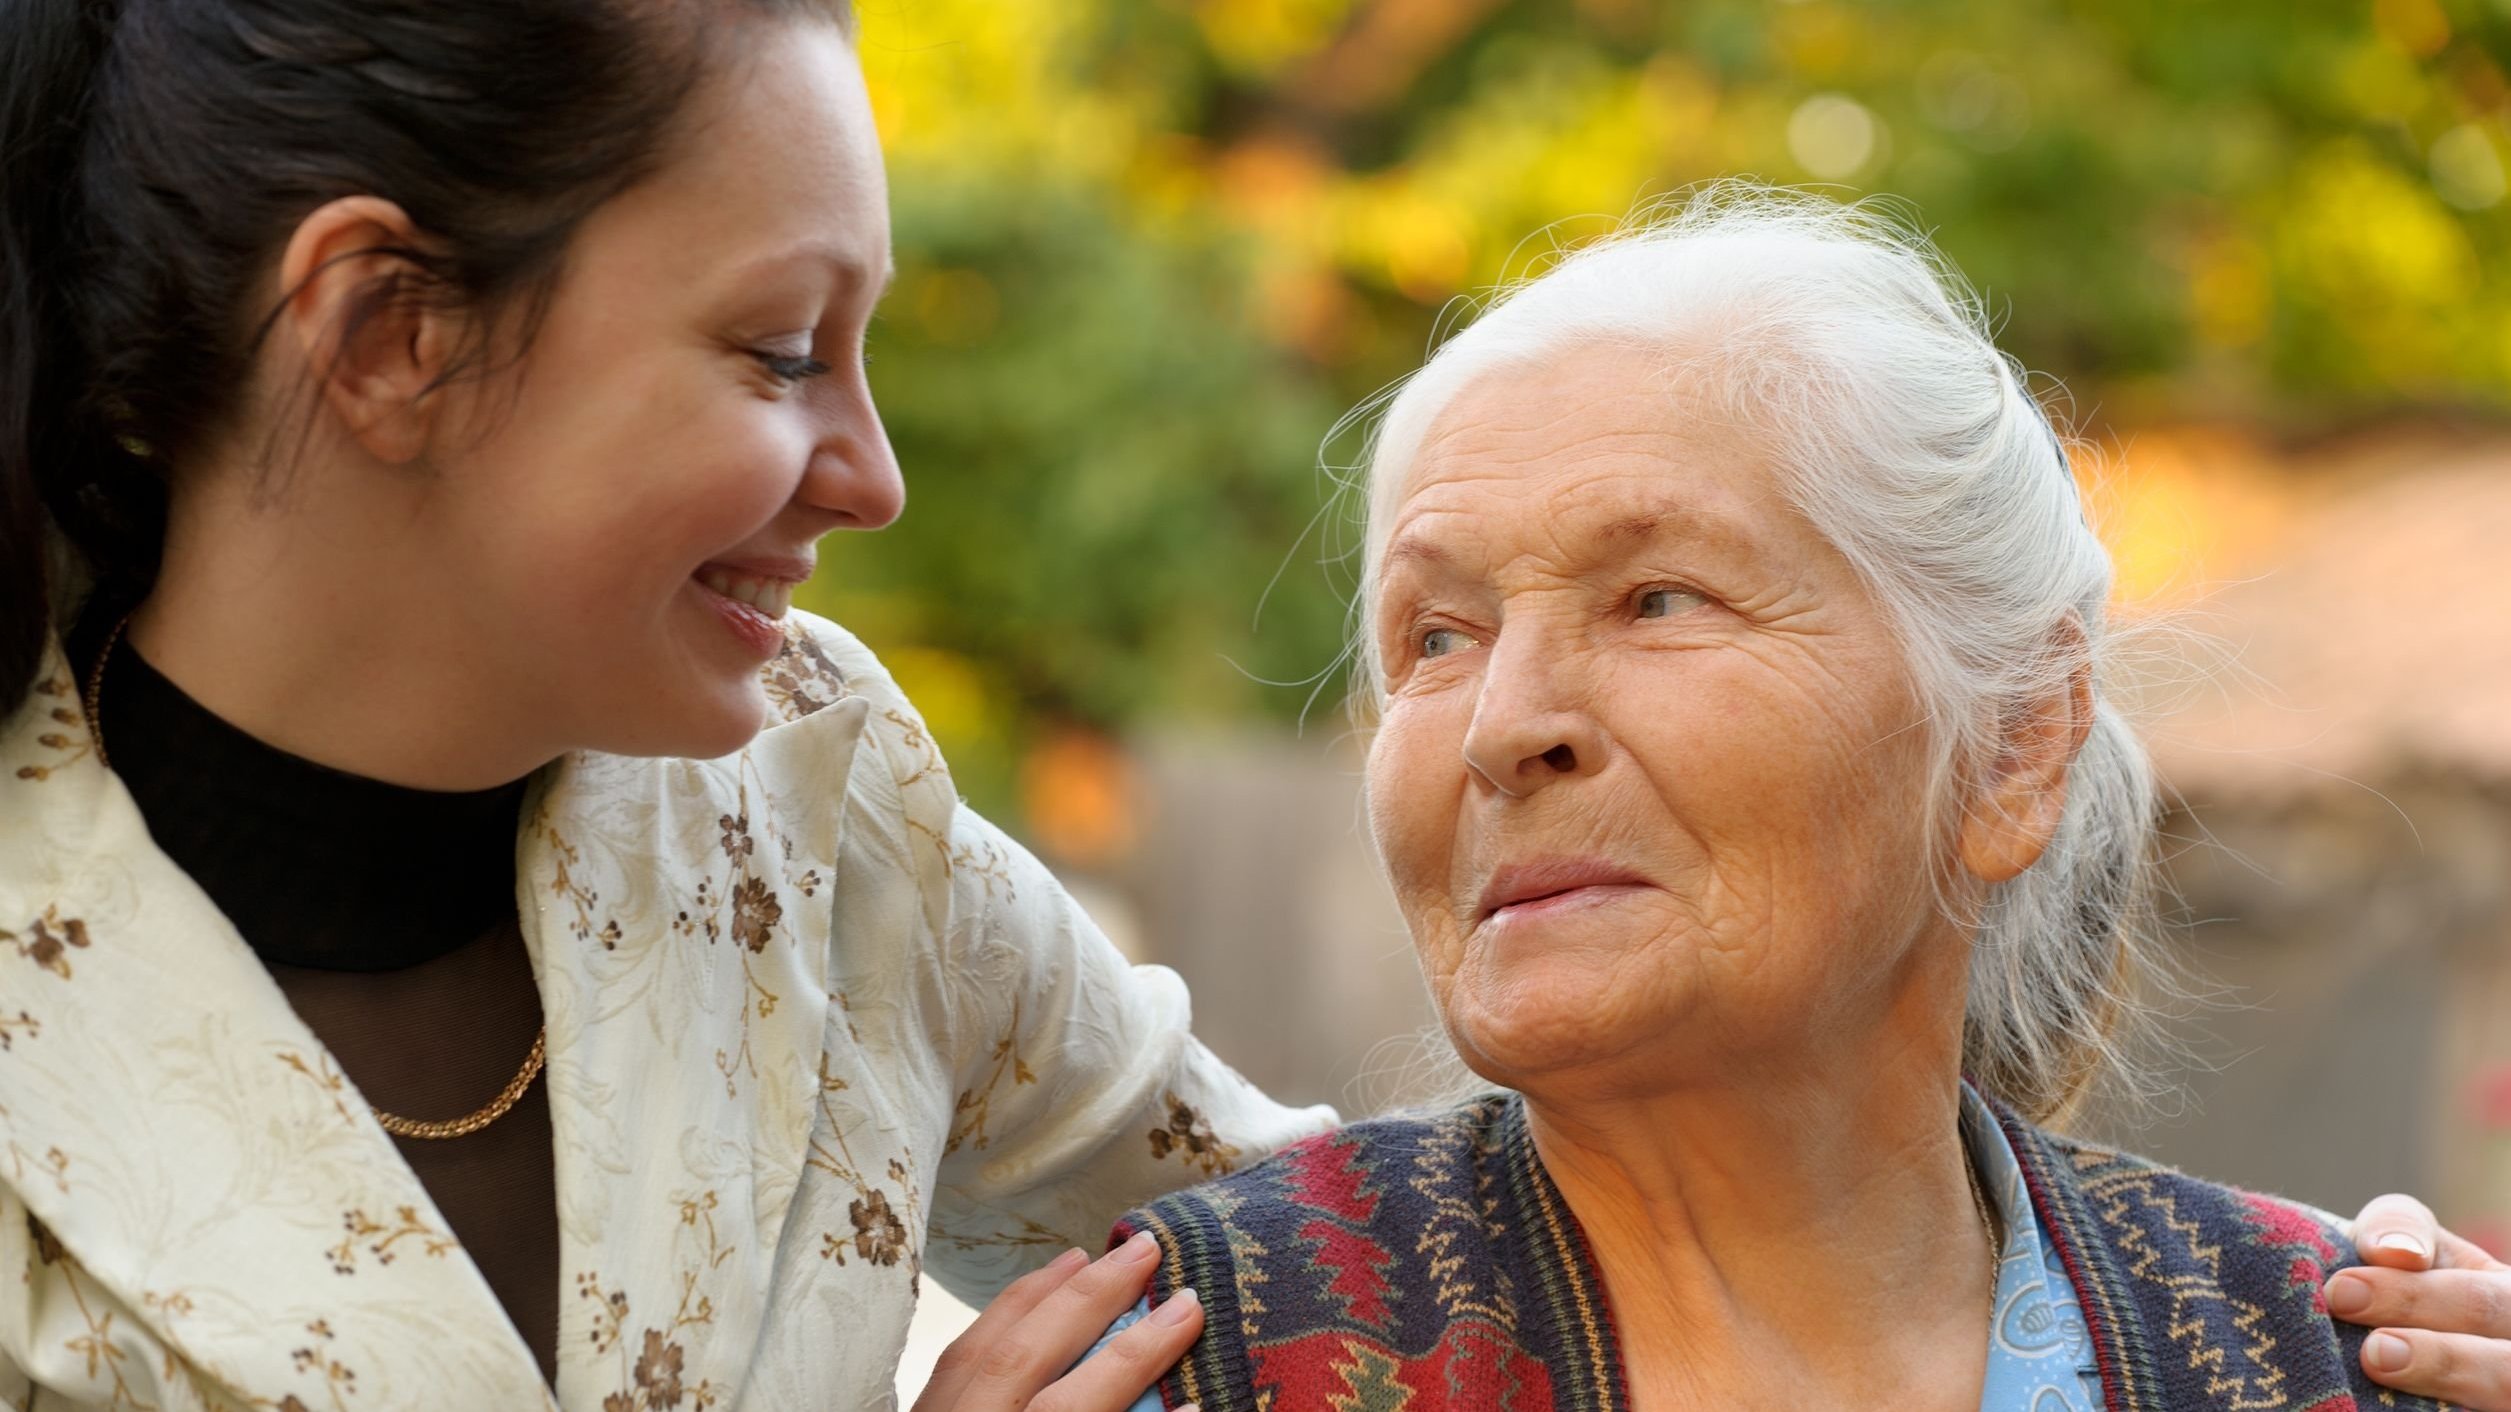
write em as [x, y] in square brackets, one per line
[1910, 443]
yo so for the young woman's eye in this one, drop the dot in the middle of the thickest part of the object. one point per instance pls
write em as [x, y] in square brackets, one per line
[1666, 602]
[790, 367]
[1438, 642]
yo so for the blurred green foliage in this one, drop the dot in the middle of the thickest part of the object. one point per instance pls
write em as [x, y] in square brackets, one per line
[1149, 249]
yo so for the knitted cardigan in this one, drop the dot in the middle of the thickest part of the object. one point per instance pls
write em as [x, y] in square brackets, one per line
[1426, 1263]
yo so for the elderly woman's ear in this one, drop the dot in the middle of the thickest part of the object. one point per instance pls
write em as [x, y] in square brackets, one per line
[2021, 794]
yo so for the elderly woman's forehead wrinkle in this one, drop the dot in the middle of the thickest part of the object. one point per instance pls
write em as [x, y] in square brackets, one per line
[1503, 410]
[1601, 511]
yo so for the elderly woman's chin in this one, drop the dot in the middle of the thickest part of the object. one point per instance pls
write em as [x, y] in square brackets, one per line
[1615, 994]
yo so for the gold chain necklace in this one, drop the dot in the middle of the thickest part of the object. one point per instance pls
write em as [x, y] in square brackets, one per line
[394, 1124]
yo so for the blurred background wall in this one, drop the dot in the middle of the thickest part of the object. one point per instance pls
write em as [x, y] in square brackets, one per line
[1150, 250]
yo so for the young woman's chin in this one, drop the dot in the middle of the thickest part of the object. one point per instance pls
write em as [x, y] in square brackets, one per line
[701, 721]
[691, 696]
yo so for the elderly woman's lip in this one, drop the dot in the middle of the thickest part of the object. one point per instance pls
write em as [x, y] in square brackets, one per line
[1519, 884]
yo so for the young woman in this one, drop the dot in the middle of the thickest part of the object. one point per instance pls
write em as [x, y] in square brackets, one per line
[463, 942]
[442, 400]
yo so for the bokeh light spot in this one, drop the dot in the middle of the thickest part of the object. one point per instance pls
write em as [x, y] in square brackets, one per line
[1833, 136]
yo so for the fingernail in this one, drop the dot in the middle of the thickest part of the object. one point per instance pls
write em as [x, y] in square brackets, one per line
[2387, 1352]
[2348, 1294]
[1069, 1259]
[2412, 1245]
[1177, 1308]
[1140, 1248]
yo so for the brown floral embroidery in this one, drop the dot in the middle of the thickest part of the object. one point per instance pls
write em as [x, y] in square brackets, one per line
[1189, 1134]
[801, 678]
[1015, 1230]
[755, 913]
[584, 900]
[326, 1078]
[658, 1370]
[746, 905]
[339, 1379]
[72, 747]
[880, 1236]
[655, 1380]
[55, 937]
[97, 1346]
[975, 1106]
[12, 1027]
[379, 1238]
[698, 1215]
[53, 1165]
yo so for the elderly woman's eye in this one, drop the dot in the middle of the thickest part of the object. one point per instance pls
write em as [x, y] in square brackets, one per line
[1666, 602]
[1438, 642]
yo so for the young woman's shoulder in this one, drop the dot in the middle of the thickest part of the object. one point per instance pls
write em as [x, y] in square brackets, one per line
[823, 663]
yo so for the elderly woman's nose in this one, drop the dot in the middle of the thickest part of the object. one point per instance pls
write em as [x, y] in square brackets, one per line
[1531, 726]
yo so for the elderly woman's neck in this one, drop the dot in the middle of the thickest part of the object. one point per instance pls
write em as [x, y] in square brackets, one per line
[1769, 1244]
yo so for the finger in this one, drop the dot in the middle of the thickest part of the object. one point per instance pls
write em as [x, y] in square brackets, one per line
[2460, 1253]
[2446, 1301]
[958, 1364]
[1113, 1377]
[2472, 1372]
[2397, 1231]
[1023, 1359]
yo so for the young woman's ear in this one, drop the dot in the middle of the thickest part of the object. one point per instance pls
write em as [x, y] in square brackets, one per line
[358, 314]
[2022, 793]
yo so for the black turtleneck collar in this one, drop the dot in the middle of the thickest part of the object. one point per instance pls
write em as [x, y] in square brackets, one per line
[315, 867]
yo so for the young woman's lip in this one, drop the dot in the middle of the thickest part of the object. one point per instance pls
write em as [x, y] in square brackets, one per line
[778, 570]
[762, 635]
[1549, 877]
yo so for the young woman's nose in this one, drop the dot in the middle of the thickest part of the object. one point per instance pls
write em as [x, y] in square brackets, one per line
[853, 475]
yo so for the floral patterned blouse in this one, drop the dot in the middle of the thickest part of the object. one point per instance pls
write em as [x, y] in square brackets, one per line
[815, 1031]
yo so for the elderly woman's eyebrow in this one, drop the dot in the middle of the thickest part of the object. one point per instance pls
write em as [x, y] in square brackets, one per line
[1411, 549]
[1630, 527]
[1688, 522]
[1621, 534]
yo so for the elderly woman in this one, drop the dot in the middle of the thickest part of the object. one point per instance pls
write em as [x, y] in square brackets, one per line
[464, 943]
[1749, 776]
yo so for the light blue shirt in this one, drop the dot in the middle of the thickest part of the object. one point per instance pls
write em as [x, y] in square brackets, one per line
[2040, 1355]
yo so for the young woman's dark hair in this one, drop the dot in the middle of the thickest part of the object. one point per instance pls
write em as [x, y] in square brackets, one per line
[155, 156]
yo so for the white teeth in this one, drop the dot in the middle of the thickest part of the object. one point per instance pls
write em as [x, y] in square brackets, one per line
[771, 597]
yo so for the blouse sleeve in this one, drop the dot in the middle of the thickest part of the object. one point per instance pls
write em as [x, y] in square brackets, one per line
[1077, 1090]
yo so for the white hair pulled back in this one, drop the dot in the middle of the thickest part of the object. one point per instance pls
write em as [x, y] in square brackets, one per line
[1908, 440]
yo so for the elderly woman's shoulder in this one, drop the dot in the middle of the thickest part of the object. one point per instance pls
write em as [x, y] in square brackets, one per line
[1345, 1170]
[2136, 1202]
[2212, 1282]
[1391, 1248]
[1468, 1168]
